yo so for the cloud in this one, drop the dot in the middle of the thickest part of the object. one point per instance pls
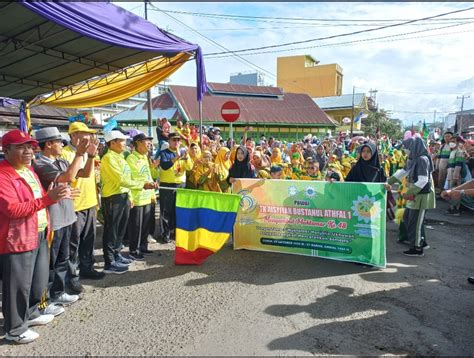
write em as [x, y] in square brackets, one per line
[440, 66]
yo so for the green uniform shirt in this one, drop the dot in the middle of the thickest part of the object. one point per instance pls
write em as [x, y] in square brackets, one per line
[115, 175]
[141, 171]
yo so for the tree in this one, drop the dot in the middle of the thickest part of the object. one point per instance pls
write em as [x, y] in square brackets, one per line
[380, 120]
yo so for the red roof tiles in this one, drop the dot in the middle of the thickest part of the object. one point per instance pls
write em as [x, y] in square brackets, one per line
[288, 108]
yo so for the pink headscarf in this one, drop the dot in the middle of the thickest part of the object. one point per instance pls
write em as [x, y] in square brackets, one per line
[407, 135]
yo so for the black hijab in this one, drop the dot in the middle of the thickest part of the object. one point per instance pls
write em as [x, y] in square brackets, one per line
[419, 160]
[242, 169]
[367, 171]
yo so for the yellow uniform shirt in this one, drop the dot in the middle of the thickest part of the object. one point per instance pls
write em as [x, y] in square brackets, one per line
[87, 186]
[115, 175]
[26, 174]
[140, 169]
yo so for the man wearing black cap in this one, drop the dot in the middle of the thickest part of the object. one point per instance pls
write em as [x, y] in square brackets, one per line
[173, 166]
[141, 213]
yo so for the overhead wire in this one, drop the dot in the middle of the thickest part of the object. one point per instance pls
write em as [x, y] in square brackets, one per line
[260, 18]
[343, 34]
[372, 39]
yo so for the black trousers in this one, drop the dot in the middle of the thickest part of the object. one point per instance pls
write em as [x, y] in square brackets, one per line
[116, 213]
[152, 220]
[25, 279]
[168, 209]
[139, 227]
[81, 243]
[414, 223]
[59, 261]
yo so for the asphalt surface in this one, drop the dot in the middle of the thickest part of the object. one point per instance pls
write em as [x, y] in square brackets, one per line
[255, 303]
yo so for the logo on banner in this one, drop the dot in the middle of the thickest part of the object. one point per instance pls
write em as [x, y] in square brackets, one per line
[310, 192]
[248, 204]
[366, 209]
[292, 191]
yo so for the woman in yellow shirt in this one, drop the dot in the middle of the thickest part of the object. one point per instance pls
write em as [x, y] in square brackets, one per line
[205, 174]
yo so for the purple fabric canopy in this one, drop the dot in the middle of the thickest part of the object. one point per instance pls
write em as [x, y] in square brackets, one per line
[112, 24]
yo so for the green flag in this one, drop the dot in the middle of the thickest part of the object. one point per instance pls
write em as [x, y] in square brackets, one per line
[425, 133]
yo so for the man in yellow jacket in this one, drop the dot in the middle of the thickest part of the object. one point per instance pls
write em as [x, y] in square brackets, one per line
[173, 163]
[117, 183]
[83, 233]
[141, 213]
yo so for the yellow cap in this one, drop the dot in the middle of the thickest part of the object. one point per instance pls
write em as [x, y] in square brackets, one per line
[80, 127]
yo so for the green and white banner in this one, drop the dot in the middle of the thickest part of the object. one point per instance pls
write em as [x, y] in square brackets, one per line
[339, 221]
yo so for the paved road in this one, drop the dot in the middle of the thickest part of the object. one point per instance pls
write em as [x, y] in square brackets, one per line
[247, 303]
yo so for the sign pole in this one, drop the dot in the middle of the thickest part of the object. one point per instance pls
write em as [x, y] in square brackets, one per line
[231, 134]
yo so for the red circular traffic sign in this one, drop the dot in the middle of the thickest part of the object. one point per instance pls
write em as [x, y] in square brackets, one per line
[230, 111]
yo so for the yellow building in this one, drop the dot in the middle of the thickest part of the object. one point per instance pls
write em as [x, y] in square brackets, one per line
[303, 74]
[340, 107]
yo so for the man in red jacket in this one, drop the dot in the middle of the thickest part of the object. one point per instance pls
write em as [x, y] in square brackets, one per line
[23, 231]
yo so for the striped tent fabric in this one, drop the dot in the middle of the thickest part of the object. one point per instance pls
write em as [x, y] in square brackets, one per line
[204, 222]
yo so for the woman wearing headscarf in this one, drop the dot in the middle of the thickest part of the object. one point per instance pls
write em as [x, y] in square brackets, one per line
[276, 156]
[367, 169]
[420, 193]
[205, 174]
[261, 164]
[195, 155]
[222, 164]
[242, 168]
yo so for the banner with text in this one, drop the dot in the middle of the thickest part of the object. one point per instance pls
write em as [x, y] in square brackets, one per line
[339, 221]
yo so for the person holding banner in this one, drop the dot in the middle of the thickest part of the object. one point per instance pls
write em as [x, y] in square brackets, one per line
[367, 169]
[242, 168]
[420, 193]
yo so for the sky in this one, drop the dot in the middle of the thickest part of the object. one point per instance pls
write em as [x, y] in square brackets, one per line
[415, 74]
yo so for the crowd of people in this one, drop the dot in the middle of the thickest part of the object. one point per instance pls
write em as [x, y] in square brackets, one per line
[51, 191]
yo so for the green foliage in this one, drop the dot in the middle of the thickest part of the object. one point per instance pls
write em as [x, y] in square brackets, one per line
[381, 119]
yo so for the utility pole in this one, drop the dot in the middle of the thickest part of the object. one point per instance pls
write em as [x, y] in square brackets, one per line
[148, 92]
[434, 117]
[352, 119]
[462, 108]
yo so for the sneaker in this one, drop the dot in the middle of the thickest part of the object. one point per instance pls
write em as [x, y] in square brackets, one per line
[42, 320]
[75, 287]
[116, 268]
[151, 240]
[26, 337]
[414, 252]
[53, 309]
[65, 299]
[470, 279]
[136, 256]
[92, 275]
[424, 244]
[122, 260]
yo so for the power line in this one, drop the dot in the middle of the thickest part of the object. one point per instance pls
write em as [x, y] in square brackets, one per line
[214, 42]
[374, 39]
[340, 35]
[248, 17]
[407, 92]
[316, 26]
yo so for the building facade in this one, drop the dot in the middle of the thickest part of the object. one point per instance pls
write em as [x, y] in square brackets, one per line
[304, 74]
[339, 108]
[268, 110]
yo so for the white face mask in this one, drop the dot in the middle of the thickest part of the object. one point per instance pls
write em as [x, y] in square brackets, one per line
[452, 145]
